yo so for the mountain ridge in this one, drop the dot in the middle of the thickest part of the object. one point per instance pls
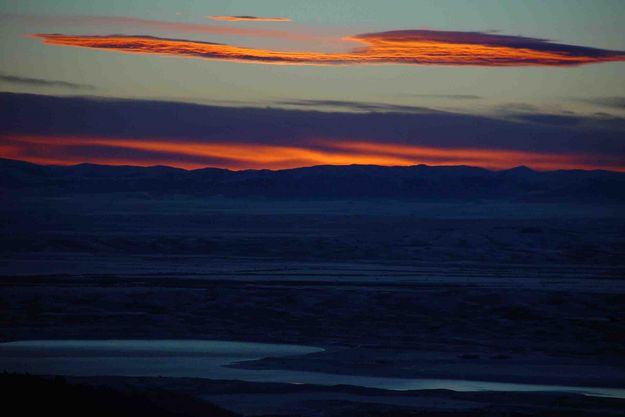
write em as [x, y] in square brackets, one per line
[417, 182]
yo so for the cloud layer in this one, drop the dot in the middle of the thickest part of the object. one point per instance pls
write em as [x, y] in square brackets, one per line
[407, 47]
[67, 130]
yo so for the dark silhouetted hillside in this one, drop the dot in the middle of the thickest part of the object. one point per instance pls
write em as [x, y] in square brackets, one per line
[421, 182]
[25, 395]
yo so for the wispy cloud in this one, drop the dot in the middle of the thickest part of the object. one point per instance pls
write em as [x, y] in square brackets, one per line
[513, 108]
[408, 47]
[551, 119]
[133, 23]
[363, 106]
[42, 82]
[614, 102]
[447, 96]
[249, 19]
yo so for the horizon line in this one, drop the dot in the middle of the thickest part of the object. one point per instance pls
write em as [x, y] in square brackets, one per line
[70, 165]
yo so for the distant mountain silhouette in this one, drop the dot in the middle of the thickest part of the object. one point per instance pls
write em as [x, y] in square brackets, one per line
[420, 182]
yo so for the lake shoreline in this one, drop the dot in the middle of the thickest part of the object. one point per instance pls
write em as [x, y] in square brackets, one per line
[282, 363]
[250, 398]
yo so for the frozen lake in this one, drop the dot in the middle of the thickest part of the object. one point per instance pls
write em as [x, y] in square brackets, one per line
[210, 359]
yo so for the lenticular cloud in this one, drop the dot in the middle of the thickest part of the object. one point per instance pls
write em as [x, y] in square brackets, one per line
[407, 47]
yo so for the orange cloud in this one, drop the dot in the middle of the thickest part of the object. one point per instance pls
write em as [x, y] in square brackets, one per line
[249, 19]
[412, 47]
[70, 150]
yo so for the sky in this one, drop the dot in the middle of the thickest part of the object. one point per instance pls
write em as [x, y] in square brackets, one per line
[285, 83]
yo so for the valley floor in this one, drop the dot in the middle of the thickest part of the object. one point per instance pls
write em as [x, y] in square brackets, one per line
[563, 329]
[525, 293]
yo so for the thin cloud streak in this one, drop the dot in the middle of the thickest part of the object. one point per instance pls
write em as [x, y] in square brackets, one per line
[614, 102]
[249, 19]
[42, 82]
[408, 47]
[69, 150]
[133, 23]
[448, 96]
[356, 106]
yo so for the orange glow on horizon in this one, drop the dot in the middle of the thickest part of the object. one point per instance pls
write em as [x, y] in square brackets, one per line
[192, 155]
[377, 49]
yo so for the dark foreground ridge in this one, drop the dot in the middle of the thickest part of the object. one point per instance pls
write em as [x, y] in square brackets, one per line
[418, 183]
[35, 396]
